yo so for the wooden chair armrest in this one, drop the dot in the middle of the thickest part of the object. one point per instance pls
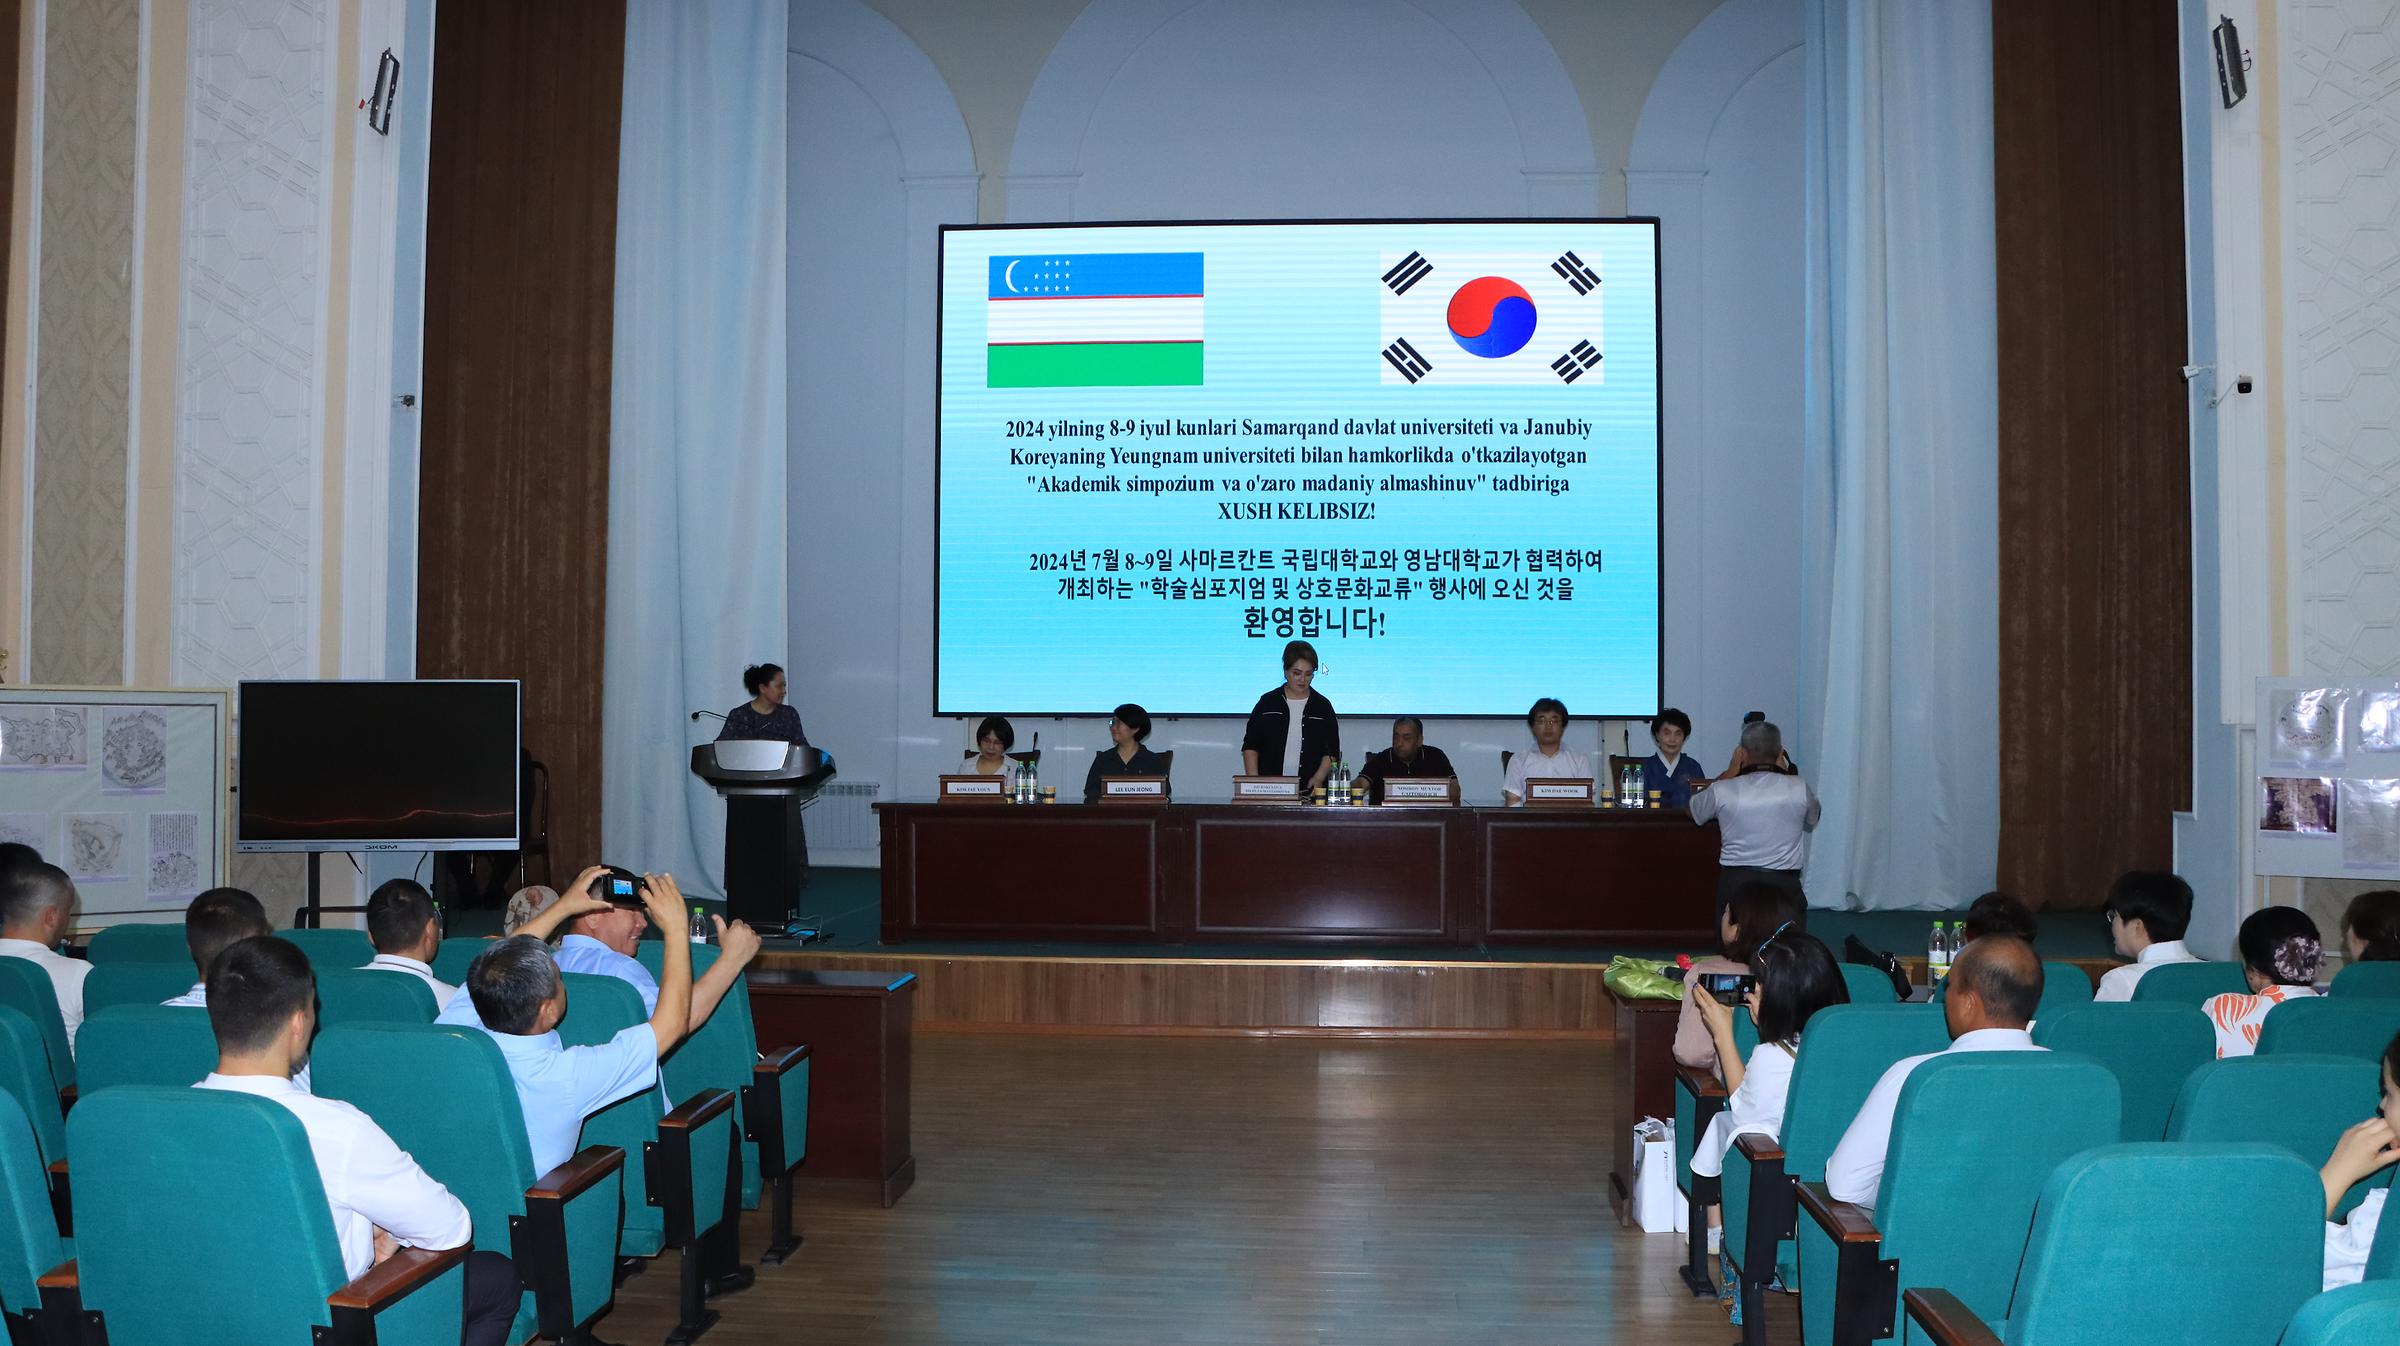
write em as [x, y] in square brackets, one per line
[67, 1098]
[1949, 1322]
[777, 1060]
[60, 1277]
[572, 1178]
[58, 1168]
[396, 1277]
[1845, 1222]
[1703, 1084]
[698, 1110]
[1758, 1149]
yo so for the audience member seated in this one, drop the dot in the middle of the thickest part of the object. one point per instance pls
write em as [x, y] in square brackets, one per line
[2371, 927]
[216, 921]
[1994, 913]
[519, 998]
[1994, 989]
[262, 1008]
[1758, 908]
[2363, 1150]
[15, 855]
[601, 943]
[2148, 911]
[405, 927]
[1796, 976]
[2281, 956]
[524, 904]
[37, 908]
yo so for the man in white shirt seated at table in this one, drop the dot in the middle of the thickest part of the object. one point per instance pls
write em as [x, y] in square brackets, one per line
[262, 1007]
[2148, 912]
[1994, 988]
[405, 927]
[1551, 758]
[216, 921]
[37, 908]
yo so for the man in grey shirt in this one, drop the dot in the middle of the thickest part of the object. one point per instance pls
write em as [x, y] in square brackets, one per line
[1764, 813]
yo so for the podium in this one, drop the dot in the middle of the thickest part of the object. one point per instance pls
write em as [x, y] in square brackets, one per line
[766, 785]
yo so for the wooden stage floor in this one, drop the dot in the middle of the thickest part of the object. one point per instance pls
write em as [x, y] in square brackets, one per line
[1210, 1191]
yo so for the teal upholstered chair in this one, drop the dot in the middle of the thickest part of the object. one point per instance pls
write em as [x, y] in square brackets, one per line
[355, 996]
[2359, 1026]
[2154, 1245]
[2189, 983]
[25, 988]
[1845, 1049]
[451, 961]
[25, 1077]
[134, 983]
[204, 1224]
[331, 950]
[769, 1084]
[2367, 1314]
[1868, 985]
[29, 1241]
[444, 1095]
[690, 1179]
[1974, 1137]
[2379, 980]
[2152, 1049]
[141, 942]
[2300, 1102]
[171, 1046]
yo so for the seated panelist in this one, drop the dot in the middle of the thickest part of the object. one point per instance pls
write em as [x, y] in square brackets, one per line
[1669, 772]
[764, 715]
[993, 739]
[1292, 729]
[1550, 758]
[1126, 729]
[1409, 755]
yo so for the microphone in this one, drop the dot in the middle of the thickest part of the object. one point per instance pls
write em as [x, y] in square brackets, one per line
[709, 713]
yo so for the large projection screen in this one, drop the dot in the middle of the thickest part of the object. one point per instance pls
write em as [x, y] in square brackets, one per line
[1431, 448]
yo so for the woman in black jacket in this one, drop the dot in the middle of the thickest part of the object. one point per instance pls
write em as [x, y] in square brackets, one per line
[1268, 747]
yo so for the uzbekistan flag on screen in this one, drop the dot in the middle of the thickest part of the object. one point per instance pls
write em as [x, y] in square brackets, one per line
[1094, 320]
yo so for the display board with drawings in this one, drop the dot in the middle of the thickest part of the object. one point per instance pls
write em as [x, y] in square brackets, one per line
[124, 788]
[2325, 792]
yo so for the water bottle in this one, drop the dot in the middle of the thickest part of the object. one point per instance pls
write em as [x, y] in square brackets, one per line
[702, 932]
[1022, 776]
[1033, 780]
[1937, 955]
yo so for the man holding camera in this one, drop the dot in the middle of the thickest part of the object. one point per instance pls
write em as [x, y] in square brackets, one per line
[601, 939]
[1764, 813]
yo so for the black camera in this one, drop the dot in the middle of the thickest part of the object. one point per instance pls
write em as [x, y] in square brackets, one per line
[621, 887]
[1727, 987]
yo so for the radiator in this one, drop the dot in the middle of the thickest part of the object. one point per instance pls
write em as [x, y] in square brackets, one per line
[843, 818]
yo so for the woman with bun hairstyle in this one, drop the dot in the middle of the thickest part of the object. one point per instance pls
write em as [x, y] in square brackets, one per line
[764, 715]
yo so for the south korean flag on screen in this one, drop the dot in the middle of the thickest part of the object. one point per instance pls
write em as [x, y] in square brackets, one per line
[1452, 318]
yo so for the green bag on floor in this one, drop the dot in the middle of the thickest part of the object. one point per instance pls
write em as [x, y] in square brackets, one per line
[1641, 979]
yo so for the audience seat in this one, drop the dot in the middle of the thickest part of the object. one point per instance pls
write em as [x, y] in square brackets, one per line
[29, 1241]
[140, 942]
[166, 1045]
[690, 1179]
[204, 1224]
[2155, 1245]
[2359, 1026]
[2302, 1103]
[2064, 987]
[134, 983]
[1868, 985]
[1699, 1097]
[444, 1095]
[332, 950]
[1845, 1050]
[769, 1085]
[2355, 1315]
[2151, 1048]
[2380, 980]
[2189, 983]
[373, 997]
[25, 1079]
[26, 988]
[451, 962]
[1974, 1138]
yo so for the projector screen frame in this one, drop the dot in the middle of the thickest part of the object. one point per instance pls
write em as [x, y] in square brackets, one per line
[1658, 309]
[363, 845]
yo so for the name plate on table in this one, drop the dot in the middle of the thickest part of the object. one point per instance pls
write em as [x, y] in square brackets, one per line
[1558, 794]
[1133, 789]
[1419, 792]
[1266, 789]
[974, 790]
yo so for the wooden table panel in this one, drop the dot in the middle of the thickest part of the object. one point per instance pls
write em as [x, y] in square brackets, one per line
[1364, 873]
[965, 863]
[1555, 877]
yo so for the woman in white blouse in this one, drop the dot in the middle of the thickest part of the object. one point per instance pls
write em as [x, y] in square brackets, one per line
[993, 739]
[1795, 976]
[2281, 956]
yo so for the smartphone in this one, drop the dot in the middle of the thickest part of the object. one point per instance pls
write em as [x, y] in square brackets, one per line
[1728, 987]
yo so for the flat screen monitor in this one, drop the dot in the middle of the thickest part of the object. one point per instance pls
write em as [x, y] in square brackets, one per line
[368, 766]
[1428, 447]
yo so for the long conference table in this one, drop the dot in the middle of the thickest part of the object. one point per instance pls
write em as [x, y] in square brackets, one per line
[1222, 873]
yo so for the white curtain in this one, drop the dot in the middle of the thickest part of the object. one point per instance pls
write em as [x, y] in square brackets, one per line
[696, 559]
[1902, 577]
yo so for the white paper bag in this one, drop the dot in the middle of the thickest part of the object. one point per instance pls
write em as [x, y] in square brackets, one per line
[1657, 1207]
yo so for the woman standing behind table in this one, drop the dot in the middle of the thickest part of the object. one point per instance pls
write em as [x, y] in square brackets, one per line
[763, 716]
[1292, 729]
[1668, 773]
[1126, 729]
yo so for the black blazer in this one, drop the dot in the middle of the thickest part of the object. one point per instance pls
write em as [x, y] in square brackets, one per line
[1106, 763]
[1271, 723]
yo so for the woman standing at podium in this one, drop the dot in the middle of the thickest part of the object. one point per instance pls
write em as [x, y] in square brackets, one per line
[763, 716]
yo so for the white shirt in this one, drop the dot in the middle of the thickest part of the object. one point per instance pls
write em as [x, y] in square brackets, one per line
[2239, 1019]
[1565, 764]
[369, 1181]
[66, 978]
[2119, 982]
[1291, 737]
[1753, 1109]
[195, 998]
[1855, 1171]
[392, 962]
[2346, 1245]
[558, 1086]
[1763, 819]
